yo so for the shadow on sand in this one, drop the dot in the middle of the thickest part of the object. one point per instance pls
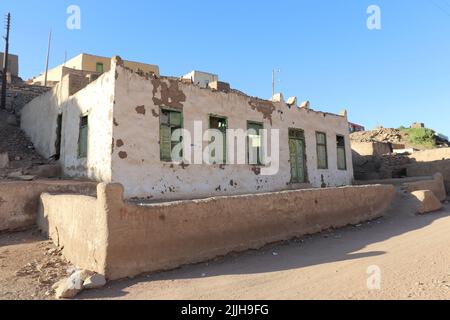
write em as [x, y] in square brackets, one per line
[345, 244]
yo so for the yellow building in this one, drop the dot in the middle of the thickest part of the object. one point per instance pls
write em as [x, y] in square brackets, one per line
[89, 64]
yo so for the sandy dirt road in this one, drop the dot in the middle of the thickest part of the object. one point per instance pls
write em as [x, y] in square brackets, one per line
[412, 252]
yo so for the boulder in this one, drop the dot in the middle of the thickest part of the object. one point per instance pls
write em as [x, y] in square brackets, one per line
[71, 286]
[428, 201]
[4, 160]
[94, 282]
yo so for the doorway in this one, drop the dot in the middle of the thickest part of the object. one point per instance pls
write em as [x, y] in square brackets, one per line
[58, 137]
[297, 155]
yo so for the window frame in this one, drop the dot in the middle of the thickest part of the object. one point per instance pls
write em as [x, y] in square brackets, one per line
[84, 155]
[102, 67]
[325, 144]
[258, 160]
[345, 152]
[225, 151]
[170, 110]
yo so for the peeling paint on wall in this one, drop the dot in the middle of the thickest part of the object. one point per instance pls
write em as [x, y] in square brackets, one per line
[140, 110]
[123, 155]
[263, 106]
[171, 95]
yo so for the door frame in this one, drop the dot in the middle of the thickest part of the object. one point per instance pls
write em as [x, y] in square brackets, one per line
[298, 134]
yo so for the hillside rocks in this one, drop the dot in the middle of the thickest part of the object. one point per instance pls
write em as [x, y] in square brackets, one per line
[380, 135]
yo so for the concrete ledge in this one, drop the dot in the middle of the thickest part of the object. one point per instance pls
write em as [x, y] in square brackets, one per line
[19, 200]
[436, 185]
[118, 239]
[394, 181]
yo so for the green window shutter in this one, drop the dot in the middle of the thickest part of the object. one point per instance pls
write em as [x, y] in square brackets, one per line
[165, 142]
[254, 142]
[342, 164]
[99, 67]
[321, 138]
[83, 137]
[169, 122]
[322, 156]
[175, 119]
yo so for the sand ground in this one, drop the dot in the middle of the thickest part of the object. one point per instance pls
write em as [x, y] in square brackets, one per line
[411, 253]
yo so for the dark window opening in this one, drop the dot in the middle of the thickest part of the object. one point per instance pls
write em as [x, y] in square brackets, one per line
[219, 123]
[83, 137]
[341, 156]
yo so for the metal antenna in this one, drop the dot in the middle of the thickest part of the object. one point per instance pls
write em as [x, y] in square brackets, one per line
[274, 80]
[48, 57]
[5, 62]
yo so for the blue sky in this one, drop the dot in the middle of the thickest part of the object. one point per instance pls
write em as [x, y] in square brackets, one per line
[391, 77]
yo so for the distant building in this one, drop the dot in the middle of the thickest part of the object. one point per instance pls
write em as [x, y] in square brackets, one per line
[353, 127]
[90, 64]
[200, 78]
[418, 125]
[13, 64]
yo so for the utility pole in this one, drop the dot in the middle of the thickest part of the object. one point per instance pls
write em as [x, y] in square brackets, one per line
[5, 62]
[273, 82]
[48, 57]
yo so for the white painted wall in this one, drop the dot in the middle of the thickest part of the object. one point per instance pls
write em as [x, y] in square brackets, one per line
[144, 175]
[39, 118]
[96, 101]
[112, 102]
[39, 121]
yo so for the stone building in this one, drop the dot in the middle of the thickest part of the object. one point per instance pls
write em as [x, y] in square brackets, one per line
[89, 64]
[119, 128]
[13, 64]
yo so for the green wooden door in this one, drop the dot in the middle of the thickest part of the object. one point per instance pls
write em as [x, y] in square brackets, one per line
[297, 159]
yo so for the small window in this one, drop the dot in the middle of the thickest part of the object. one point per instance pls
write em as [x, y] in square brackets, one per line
[169, 122]
[99, 67]
[254, 142]
[341, 156]
[219, 123]
[322, 156]
[83, 137]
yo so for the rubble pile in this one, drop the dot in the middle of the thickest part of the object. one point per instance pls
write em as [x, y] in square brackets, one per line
[17, 153]
[379, 135]
[19, 93]
[381, 167]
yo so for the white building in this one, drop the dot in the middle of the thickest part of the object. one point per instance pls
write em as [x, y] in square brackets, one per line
[200, 78]
[118, 128]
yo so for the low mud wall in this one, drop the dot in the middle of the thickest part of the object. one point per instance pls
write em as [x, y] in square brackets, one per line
[436, 185]
[19, 200]
[120, 239]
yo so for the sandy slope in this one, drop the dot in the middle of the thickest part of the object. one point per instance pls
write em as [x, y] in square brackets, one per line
[412, 252]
